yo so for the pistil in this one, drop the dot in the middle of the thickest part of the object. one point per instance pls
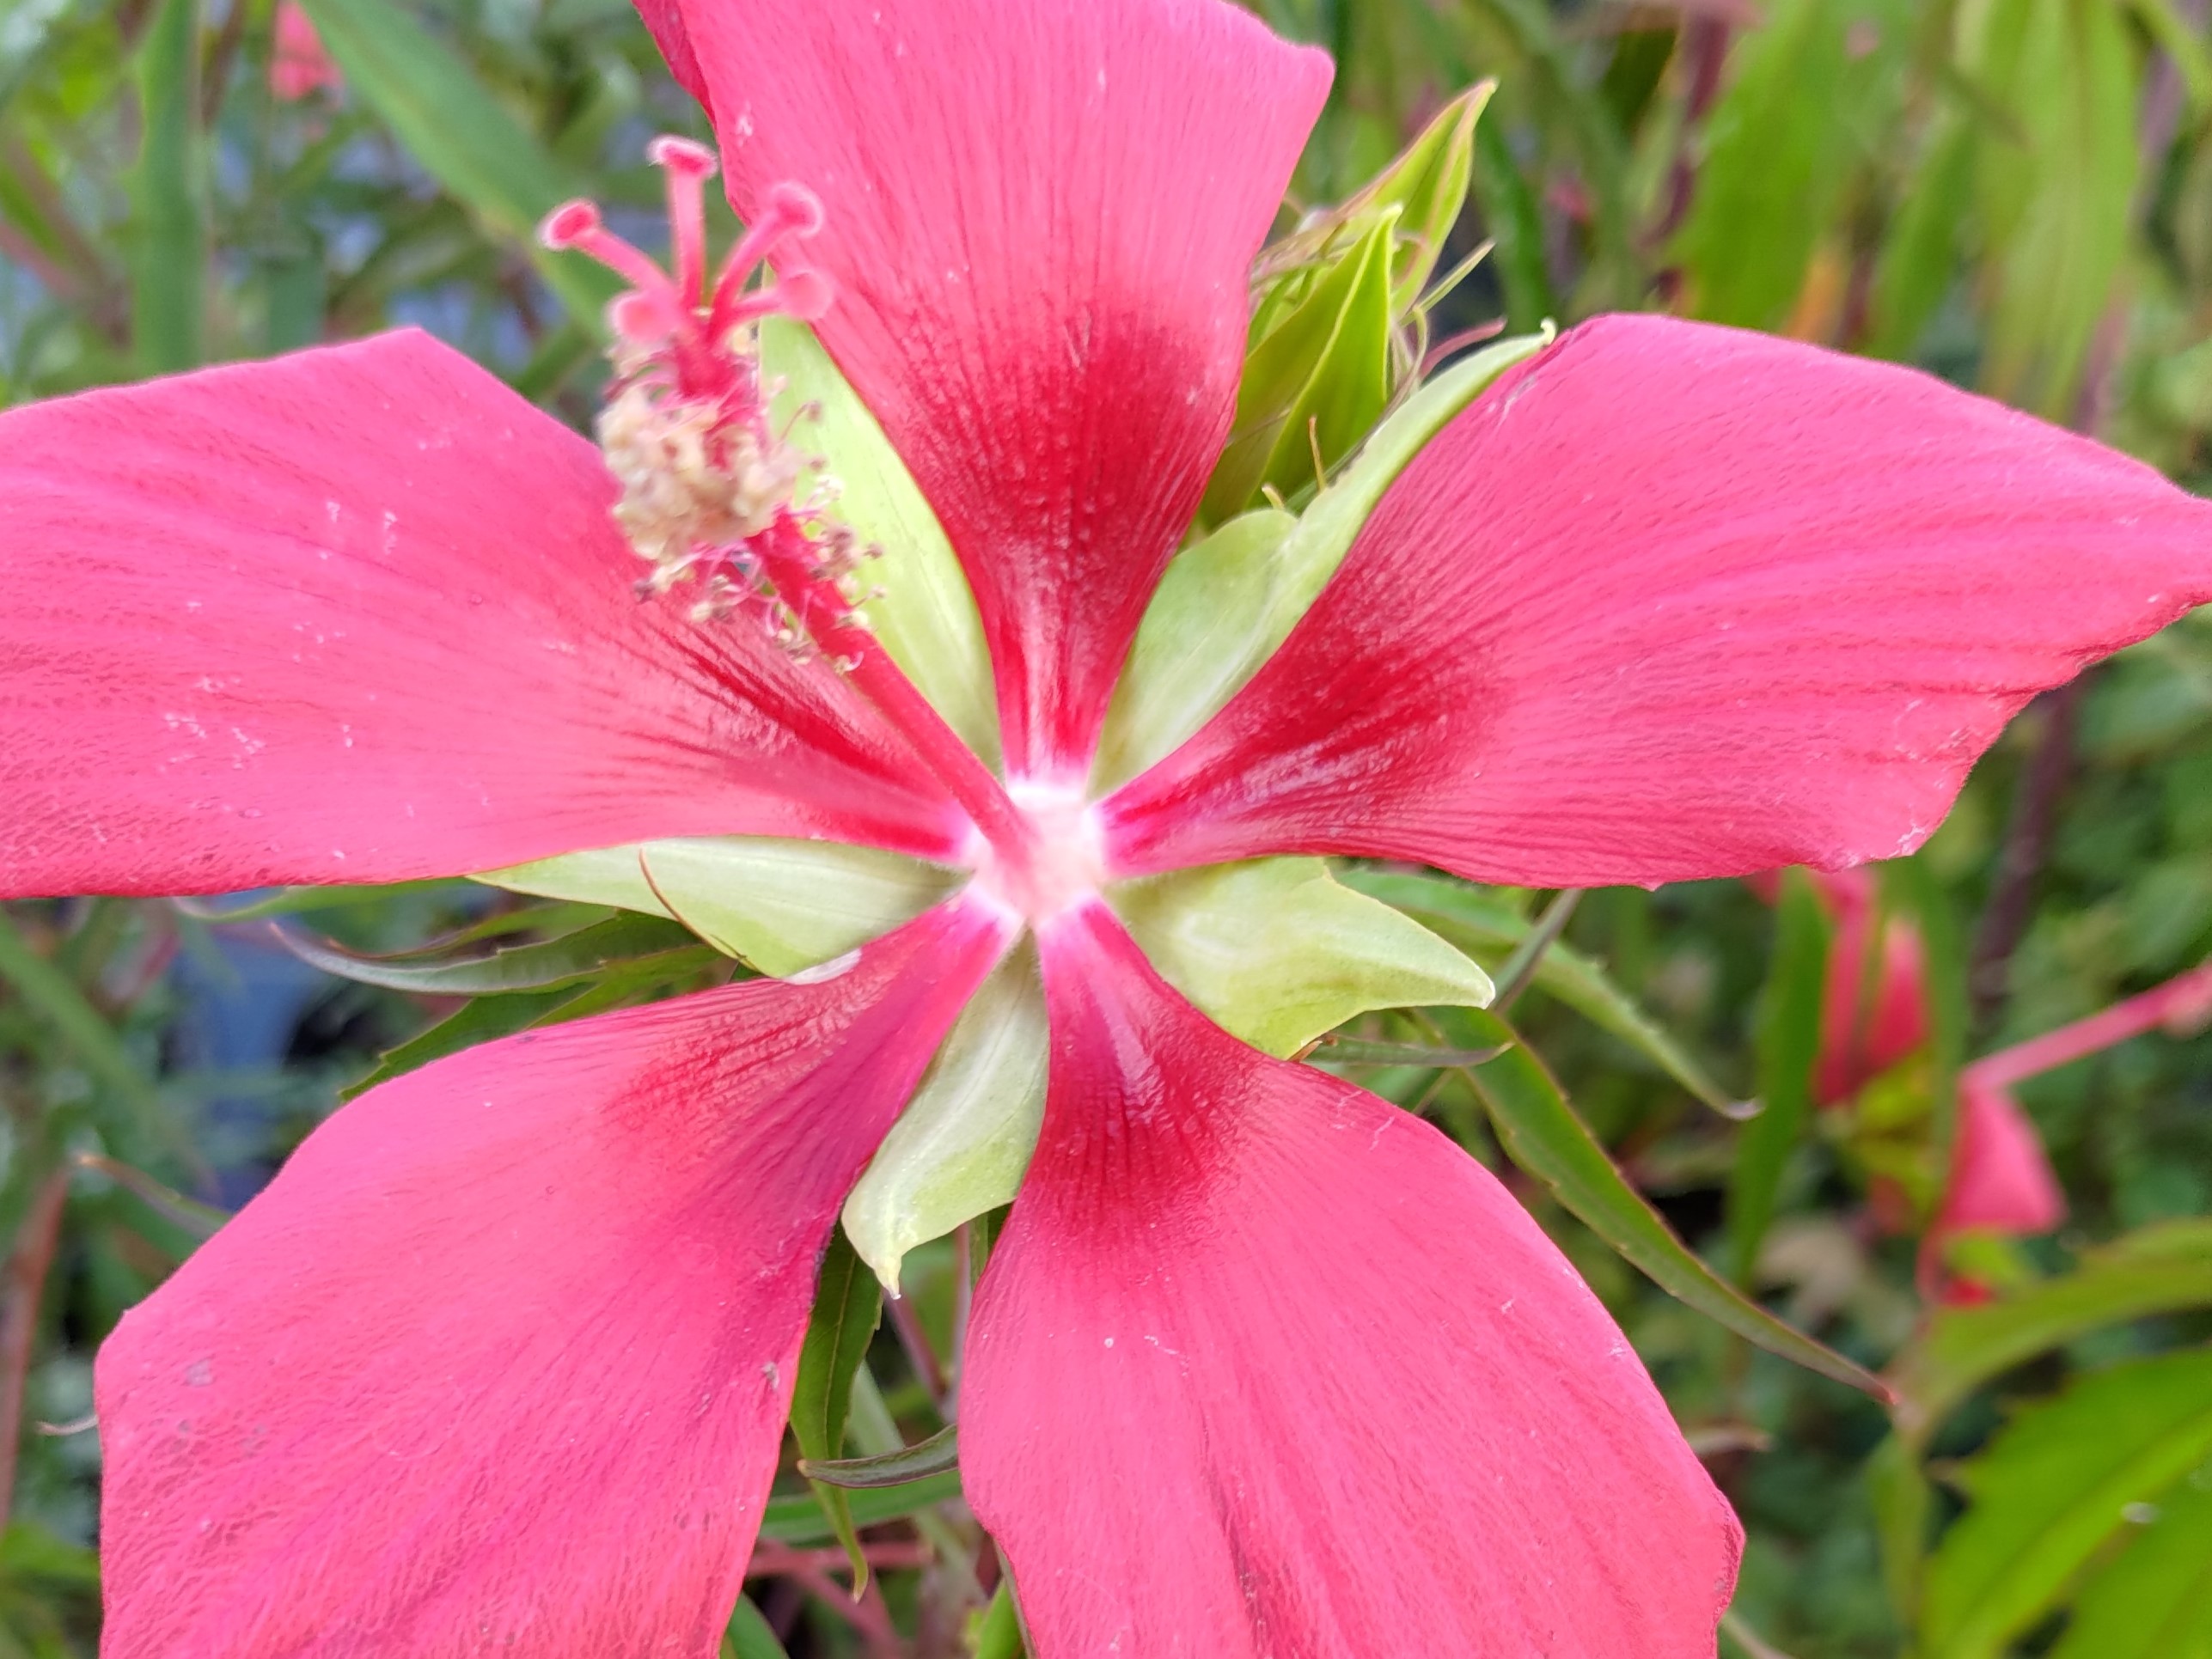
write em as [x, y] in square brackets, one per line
[711, 488]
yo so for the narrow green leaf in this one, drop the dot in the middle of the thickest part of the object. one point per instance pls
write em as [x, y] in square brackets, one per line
[293, 901]
[2155, 1601]
[202, 1221]
[168, 196]
[1528, 955]
[54, 996]
[2054, 1486]
[1542, 1133]
[564, 961]
[1904, 1504]
[1483, 924]
[480, 1019]
[1788, 1044]
[1515, 223]
[463, 136]
[934, 1455]
[998, 1632]
[2056, 209]
[1919, 258]
[2155, 1270]
[1355, 1050]
[846, 1306]
[2183, 42]
[1778, 145]
[800, 1518]
[749, 1636]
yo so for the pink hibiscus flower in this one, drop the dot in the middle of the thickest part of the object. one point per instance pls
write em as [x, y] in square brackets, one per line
[1261, 1365]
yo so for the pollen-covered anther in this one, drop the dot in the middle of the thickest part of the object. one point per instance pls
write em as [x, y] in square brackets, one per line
[693, 481]
[686, 434]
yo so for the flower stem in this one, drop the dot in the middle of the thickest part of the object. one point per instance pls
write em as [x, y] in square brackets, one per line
[2184, 1000]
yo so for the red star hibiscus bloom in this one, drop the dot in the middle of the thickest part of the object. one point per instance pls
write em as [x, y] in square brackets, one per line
[1261, 1365]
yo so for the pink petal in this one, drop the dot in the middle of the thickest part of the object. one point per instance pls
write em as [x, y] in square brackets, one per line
[500, 1361]
[359, 615]
[1039, 219]
[2000, 1178]
[1672, 602]
[1265, 1366]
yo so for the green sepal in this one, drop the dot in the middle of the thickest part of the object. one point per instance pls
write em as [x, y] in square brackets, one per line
[1276, 951]
[963, 1144]
[1227, 603]
[1194, 646]
[783, 906]
[1313, 384]
[168, 186]
[926, 615]
[846, 1306]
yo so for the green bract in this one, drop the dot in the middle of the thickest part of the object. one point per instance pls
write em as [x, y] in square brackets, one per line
[782, 905]
[1277, 951]
[963, 1144]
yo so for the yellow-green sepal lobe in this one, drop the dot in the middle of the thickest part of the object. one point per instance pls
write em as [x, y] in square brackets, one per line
[782, 905]
[963, 1144]
[1227, 602]
[1276, 951]
[925, 615]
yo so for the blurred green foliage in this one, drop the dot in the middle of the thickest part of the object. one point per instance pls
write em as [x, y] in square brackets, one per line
[2016, 194]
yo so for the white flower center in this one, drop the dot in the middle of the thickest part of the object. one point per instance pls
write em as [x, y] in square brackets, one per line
[1063, 864]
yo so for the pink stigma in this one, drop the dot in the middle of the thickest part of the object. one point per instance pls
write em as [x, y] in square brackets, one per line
[671, 316]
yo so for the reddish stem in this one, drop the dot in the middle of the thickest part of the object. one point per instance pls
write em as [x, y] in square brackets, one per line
[2184, 1000]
